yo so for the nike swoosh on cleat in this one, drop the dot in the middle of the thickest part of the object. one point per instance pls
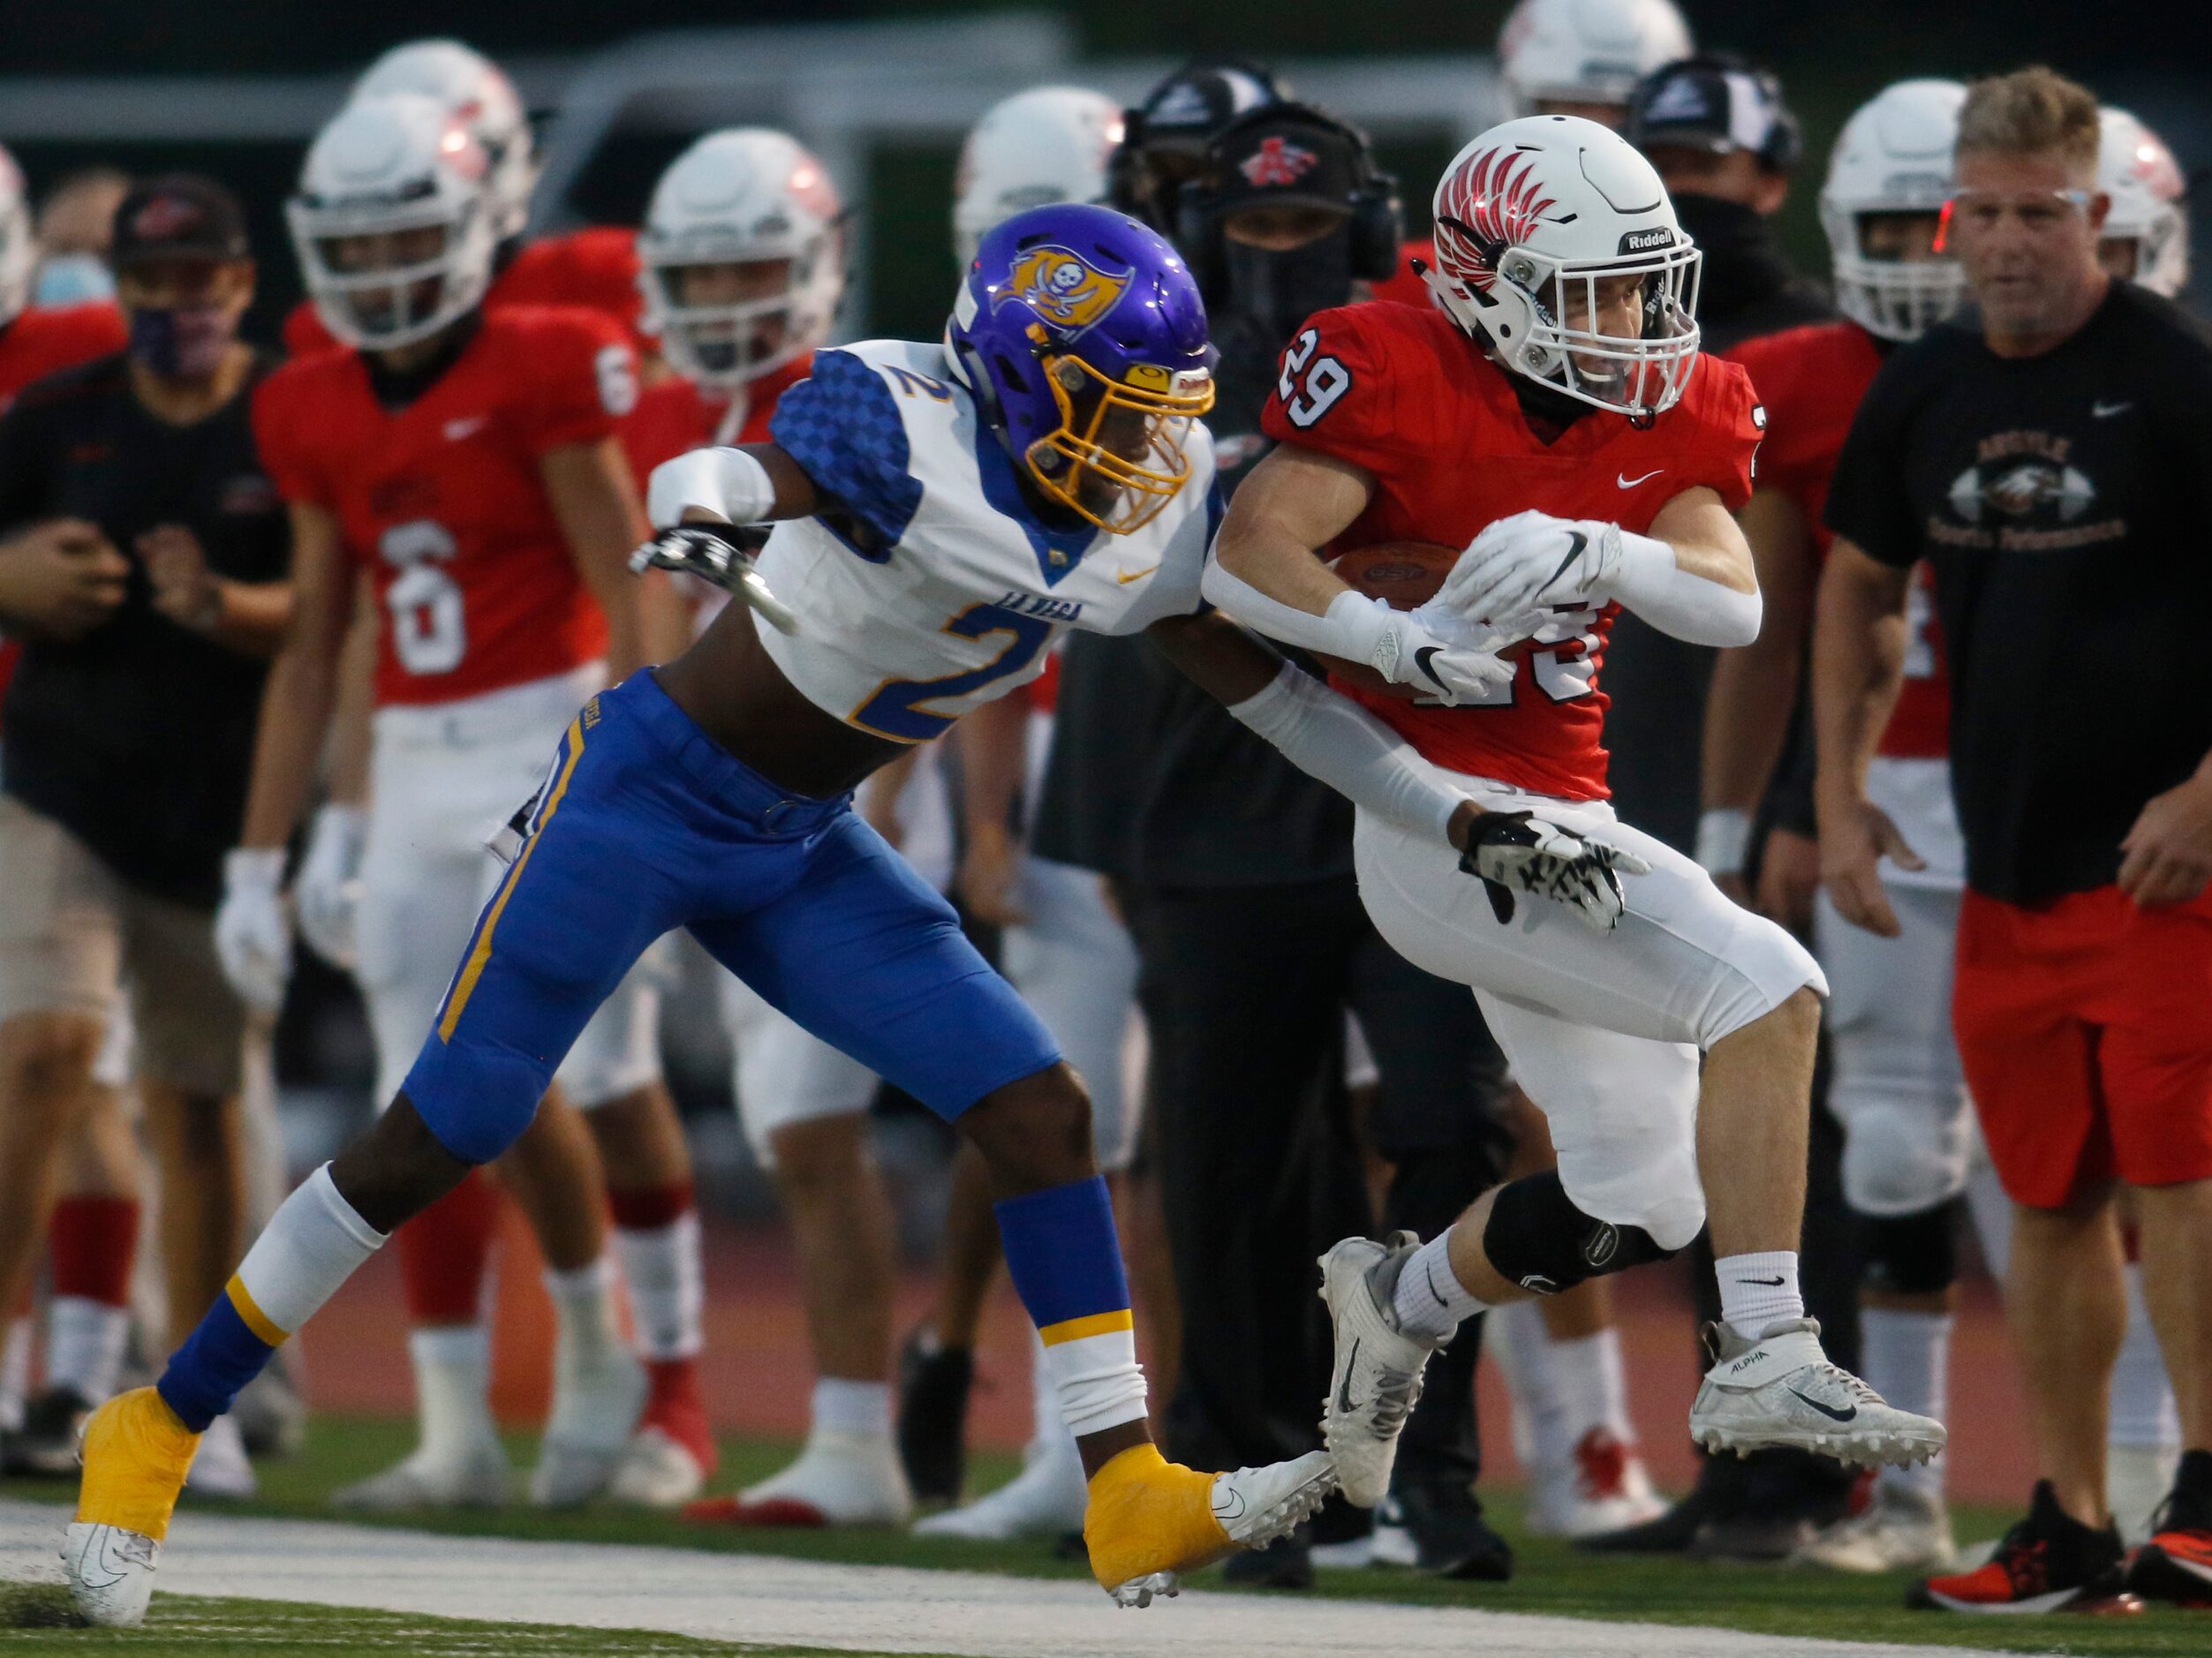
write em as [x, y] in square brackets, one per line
[1228, 1502]
[1829, 1410]
[1344, 1388]
[1579, 542]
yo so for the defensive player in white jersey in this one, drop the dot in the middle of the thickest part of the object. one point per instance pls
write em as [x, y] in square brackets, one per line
[947, 511]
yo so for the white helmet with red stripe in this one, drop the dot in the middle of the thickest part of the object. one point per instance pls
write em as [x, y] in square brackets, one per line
[1547, 228]
[475, 92]
[391, 223]
[1893, 161]
[1587, 51]
[1046, 145]
[19, 245]
[742, 256]
[2138, 172]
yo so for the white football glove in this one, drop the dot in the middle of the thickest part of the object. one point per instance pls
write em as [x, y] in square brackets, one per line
[252, 936]
[327, 892]
[1435, 651]
[1533, 561]
[1517, 851]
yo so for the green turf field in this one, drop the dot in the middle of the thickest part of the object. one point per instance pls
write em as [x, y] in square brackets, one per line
[1551, 1578]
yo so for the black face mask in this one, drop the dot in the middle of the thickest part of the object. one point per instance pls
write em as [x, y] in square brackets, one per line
[1743, 263]
[1270, 293]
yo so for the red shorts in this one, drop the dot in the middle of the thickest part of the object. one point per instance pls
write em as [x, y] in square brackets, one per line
[2084, 1026]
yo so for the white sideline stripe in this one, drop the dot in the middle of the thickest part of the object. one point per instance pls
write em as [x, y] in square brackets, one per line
[758, 1598]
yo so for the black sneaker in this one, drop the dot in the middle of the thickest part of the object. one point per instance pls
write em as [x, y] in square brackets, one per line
[1788, 1496]
[1439, 1529]
[1285, 1564]
[2048, 1562]
[2176, 1565]
[933, 1386]
[45, 1447]
[1718, 1495]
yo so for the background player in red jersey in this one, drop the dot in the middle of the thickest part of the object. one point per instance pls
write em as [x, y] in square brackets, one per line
[595, 267]
[1556, 420]
[462, 466]
[1895, 1086]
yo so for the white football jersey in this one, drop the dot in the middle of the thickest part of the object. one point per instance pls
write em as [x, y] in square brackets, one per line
[927, 587]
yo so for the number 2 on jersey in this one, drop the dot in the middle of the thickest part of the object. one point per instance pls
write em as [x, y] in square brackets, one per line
[895, 709]
[429, 632]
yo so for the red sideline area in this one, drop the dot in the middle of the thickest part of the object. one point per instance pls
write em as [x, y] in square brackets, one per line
[757, 1370]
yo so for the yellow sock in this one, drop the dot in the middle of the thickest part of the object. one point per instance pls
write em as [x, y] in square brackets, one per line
[137, 1455]
[1147, 1514]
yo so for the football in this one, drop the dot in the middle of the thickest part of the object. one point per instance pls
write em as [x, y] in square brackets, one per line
[1403, 574]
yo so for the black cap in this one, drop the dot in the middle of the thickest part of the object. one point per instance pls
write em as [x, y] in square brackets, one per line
[1285, 155]
[179, 215]
[1715, 103]
[1200, 99]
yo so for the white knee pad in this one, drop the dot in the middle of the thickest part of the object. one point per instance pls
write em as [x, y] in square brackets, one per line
[784, 1074]
[619, 1050]
[1899, 1156]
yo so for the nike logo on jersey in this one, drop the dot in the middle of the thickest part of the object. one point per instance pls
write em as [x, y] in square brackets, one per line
[1626, 482]
[467, 427]
[2106, 411]
[1829, 1410]
[1126, 576]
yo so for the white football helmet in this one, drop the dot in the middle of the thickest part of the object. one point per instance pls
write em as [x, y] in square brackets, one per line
[383, 168]
[18, 243]
[1587, 51]
[2138, 172]
[475, 92]
[743, 196]
[1531, 218]
[1893, 155]
[1046, 145]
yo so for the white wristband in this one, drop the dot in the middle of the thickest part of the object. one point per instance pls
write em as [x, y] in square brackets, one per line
[1724, 840]
[254, 868]
[729, 483]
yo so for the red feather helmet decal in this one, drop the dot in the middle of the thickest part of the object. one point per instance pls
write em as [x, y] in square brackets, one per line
[1494, 200]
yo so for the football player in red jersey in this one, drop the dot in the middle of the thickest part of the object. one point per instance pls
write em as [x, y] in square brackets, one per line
[1554, 419]
[595, 267]
[461, 467]
[1896, 1085]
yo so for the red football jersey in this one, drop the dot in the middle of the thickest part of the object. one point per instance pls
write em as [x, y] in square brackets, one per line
[1404, 394]
[674, 415]
[47, 340]
[595, 269]
[444, 502]
[1811, 380]
[1404, 286]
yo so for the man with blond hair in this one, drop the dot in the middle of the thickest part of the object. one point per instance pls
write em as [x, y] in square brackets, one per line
[2053, 461]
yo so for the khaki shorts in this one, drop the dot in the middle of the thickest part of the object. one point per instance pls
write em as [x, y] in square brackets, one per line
[73, 935]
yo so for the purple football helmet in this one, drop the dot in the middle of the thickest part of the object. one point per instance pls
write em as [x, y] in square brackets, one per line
[1083, 339]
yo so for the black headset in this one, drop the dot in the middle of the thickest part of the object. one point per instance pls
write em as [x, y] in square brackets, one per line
[1377, 223]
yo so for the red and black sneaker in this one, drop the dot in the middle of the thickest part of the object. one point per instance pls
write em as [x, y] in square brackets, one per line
[2048, 1562]
[2176, 1565]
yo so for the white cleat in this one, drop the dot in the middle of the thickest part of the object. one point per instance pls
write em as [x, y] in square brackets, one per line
[110, 1573]
[1602, 1487]
[222, 1469]
[839, 1478]
[476, 1478]
[1901, 1530]
[1375, 1379]
[595, 1412]
[1044, 1500]
[1781, 1389]
[656, 1471]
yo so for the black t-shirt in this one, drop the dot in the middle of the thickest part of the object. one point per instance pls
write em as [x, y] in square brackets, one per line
[138, 737]
[2066, 502]
[1149, 779]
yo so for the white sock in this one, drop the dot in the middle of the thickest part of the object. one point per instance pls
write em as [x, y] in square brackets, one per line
[1759, 1290]
[844, 1407]
[1516, 1339]
[668, 1288]
[84, 1341]
[1097, 1380]
[583, 1311]
[1431, 1302]
[1047, 1432]
[311, 1244]
[453, 1379]
[2144, 1412]
[1908, 1359]
[1587, 1373]
[15, 1372]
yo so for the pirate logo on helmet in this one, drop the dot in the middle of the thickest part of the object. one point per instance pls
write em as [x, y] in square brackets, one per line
[1064, 288]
